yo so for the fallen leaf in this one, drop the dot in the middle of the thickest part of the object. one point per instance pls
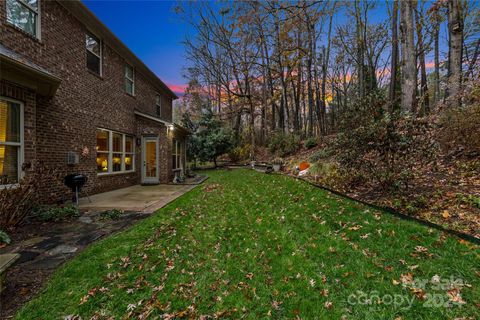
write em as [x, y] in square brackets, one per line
[445, 214]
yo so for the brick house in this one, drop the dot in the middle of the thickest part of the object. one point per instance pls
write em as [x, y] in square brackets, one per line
[73, 97]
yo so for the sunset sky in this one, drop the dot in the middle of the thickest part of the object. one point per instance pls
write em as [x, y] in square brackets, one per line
[154, 32]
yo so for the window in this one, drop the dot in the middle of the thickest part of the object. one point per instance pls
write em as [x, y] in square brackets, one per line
[177, 152]
[24, 15]
[115, 152]
[129, 80]
[11, 141]
[94, 53]
[158, 103]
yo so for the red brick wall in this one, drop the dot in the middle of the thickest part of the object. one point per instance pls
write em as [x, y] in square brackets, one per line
[83, 102]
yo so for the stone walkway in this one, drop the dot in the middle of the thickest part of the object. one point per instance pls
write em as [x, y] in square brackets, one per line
[52, 244]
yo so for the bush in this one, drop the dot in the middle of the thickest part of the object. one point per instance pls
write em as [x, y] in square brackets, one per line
[282, 144]
[459, 132]
[321, 154]
[4, 238]
[57, 213]
[240, 153]
[111, 214]
[18, 200]
[310, 143]
[386, 149]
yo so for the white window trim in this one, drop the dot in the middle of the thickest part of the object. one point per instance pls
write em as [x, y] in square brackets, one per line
[91, 34]
[21, 144]
[130, 79]
[38, 28]
[110, 153]
[177, 154]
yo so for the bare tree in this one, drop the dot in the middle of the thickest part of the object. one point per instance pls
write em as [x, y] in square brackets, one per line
[409, 70]
[455, 31]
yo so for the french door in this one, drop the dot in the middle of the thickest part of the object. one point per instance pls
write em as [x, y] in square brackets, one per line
[150, 160]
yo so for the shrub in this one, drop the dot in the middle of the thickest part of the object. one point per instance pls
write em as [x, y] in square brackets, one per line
[278, 161]
[321, 154]
[4, 238]
[57, 213]
[284, 144]
[111, 214]
[386, 149]
[18, 200]
[310, 143]
[327, 172]
[459, 132]
[240, 153]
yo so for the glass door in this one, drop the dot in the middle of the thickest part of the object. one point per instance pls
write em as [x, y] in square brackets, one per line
[150, 160]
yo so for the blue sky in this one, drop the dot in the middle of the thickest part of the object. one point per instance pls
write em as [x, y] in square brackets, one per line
[152, 30]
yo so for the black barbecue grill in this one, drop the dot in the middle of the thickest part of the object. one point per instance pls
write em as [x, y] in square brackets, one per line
[75, 182]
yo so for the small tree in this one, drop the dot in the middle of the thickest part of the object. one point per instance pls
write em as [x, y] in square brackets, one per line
[213, 138]
[210, 138]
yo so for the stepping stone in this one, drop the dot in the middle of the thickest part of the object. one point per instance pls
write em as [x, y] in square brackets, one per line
[62, 249]
[89, 238]
[48, 243]
[85, 219]
[32, 241]
[27, 256]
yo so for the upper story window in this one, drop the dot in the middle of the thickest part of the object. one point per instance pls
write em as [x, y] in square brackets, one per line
[129, 80]
[94, 53]
[24, 15]
[11, 141]
[158, 104]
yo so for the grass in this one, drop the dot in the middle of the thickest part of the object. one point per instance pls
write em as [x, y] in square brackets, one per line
[251, 245]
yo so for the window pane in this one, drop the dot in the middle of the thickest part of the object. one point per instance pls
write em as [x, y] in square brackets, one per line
[128, 144]
[128, 162]
[102, 162]
[92, 44]
[21, 17]
[8, 164]
[102, 140]
[129, 72]
[129, 86]
[174, 146]
[174, 162]
[32, 3]
[117, 142]
[117, 162]
[158, 100]
[93, 62]
[9, 121]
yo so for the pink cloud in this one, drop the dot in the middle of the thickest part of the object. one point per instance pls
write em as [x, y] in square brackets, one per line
[178, 88]
[429, 64]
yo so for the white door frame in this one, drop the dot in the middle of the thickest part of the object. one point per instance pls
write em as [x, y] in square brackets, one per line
[145, 179]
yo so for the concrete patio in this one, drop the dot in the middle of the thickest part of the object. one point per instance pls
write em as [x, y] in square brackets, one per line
[138, 198]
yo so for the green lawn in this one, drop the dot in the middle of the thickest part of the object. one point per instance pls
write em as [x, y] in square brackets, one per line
[251, 245]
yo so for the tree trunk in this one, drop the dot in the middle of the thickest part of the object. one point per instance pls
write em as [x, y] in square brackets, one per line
[425, 103]
[360, 50]
[409, 70]
[394, 62]
[455, 30]
[436, 72]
